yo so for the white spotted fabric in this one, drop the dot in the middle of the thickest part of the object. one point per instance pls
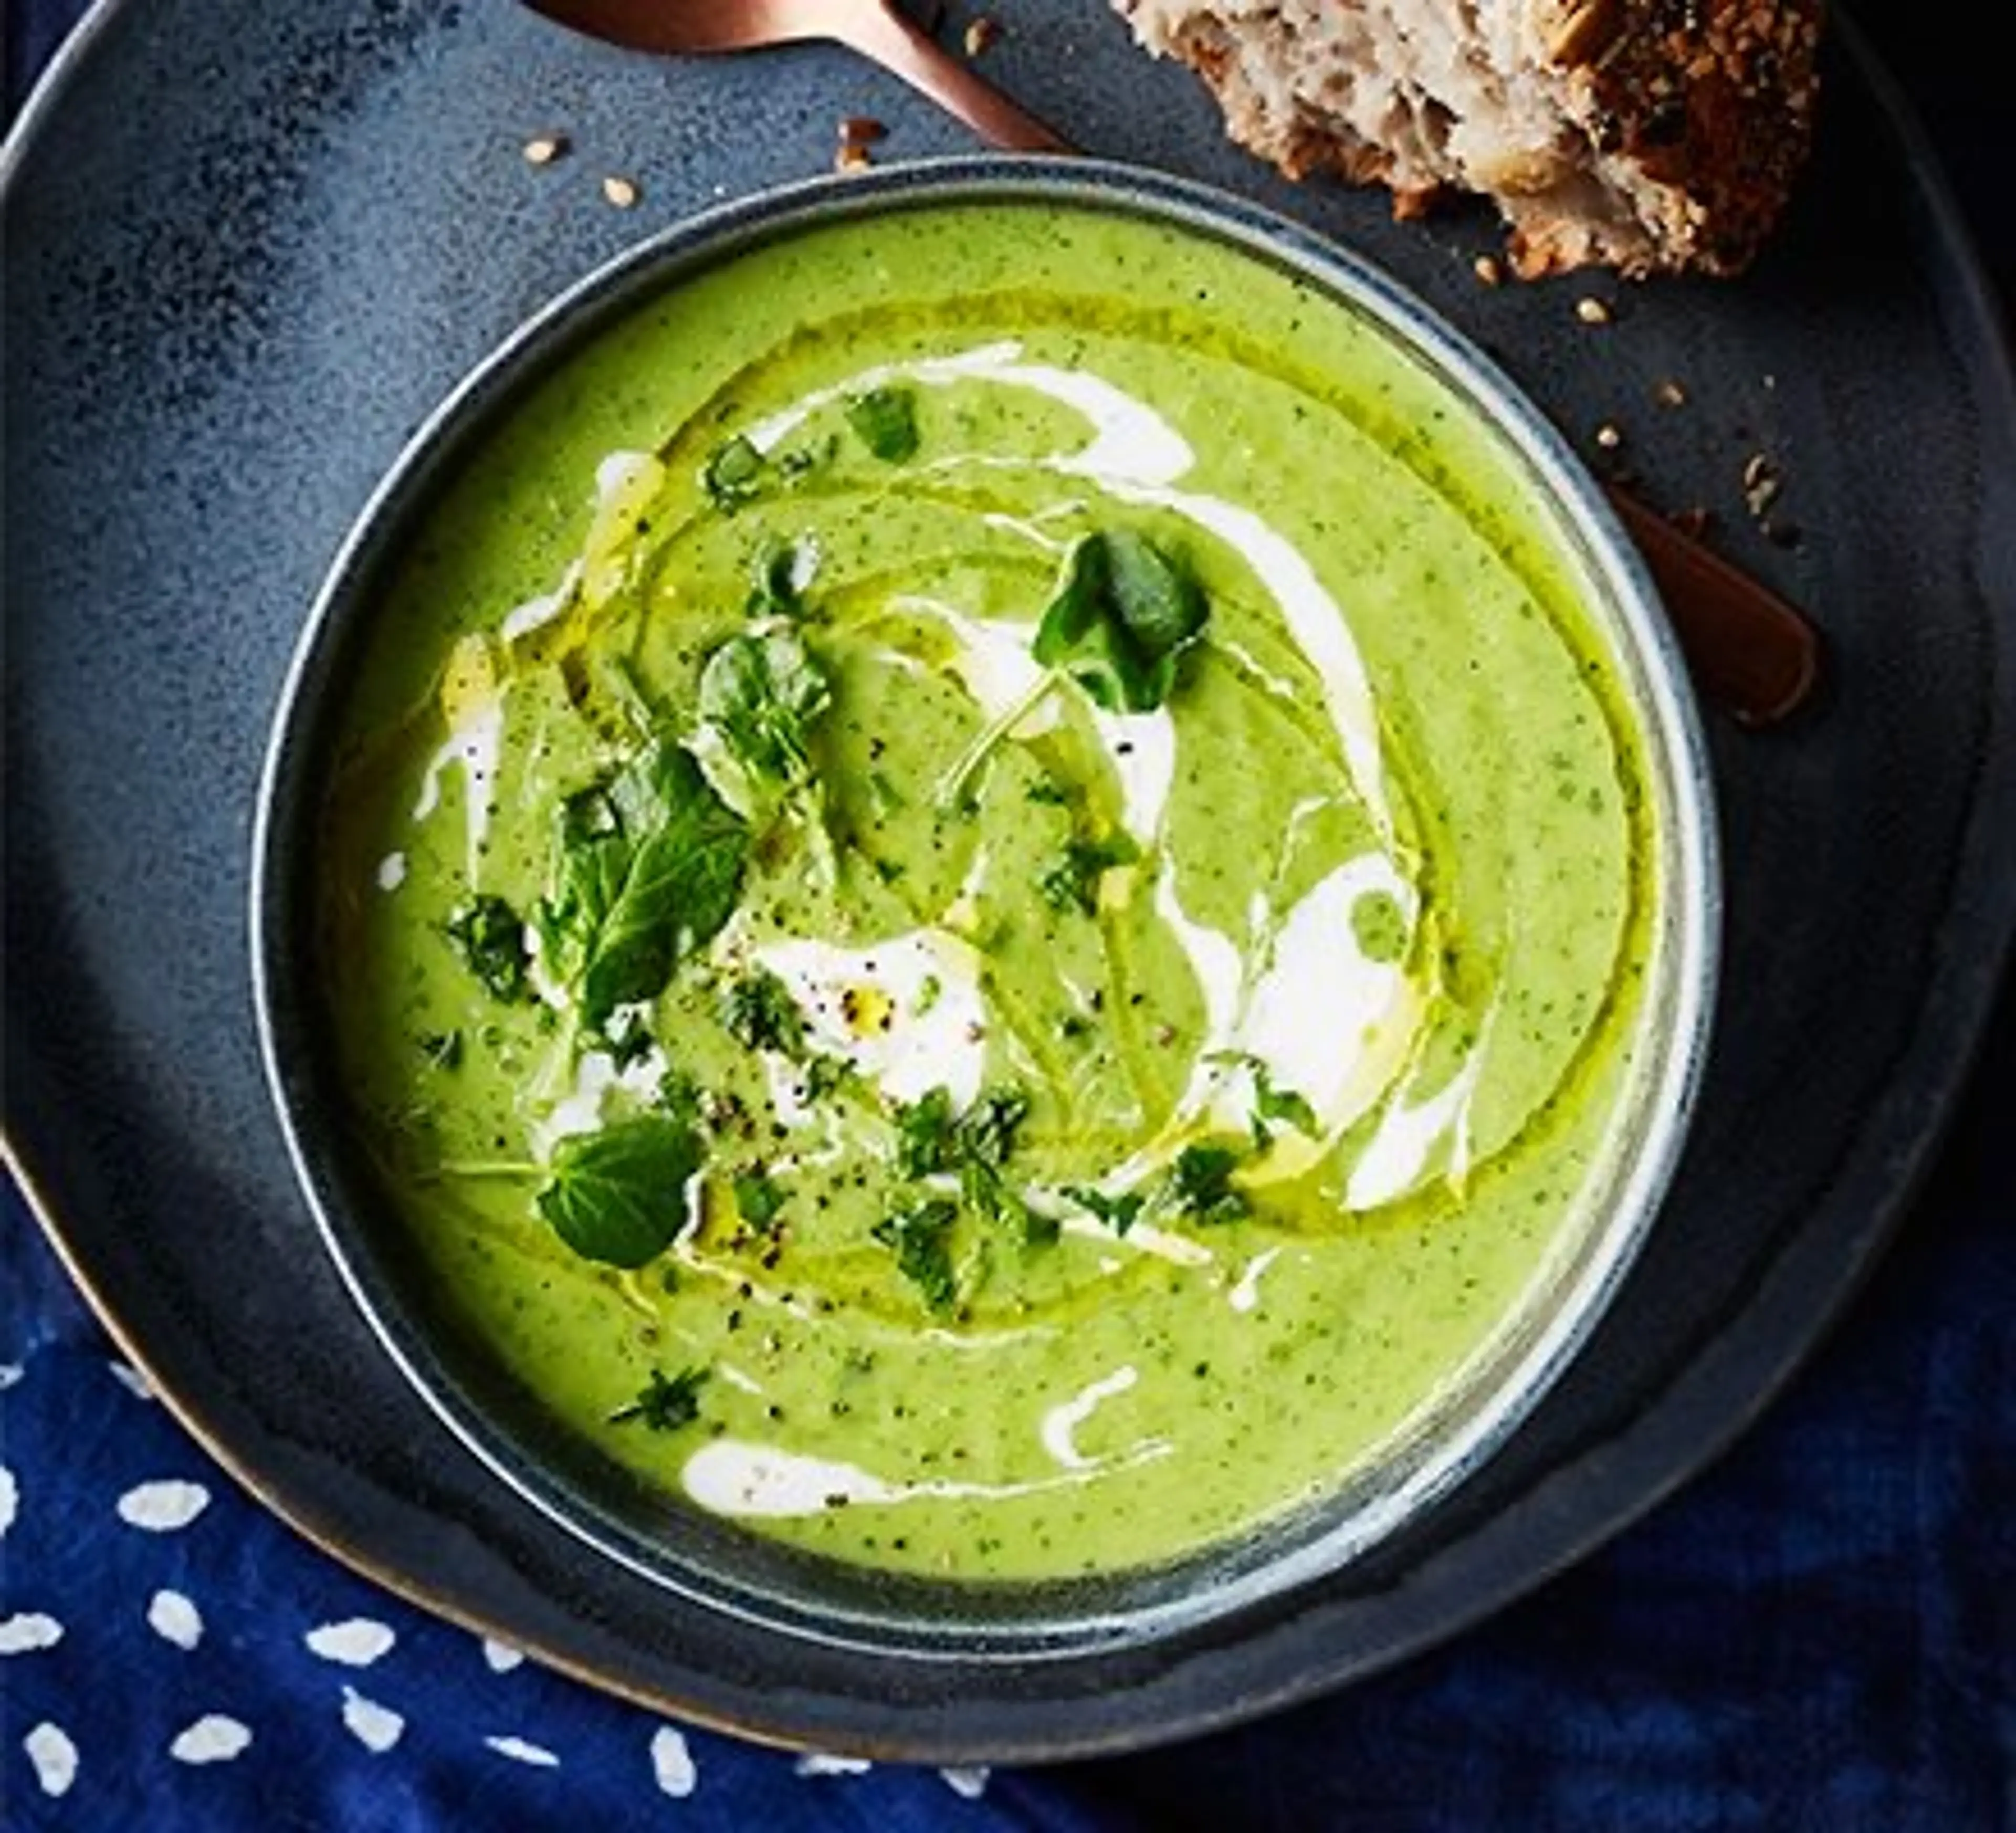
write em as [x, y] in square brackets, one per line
[174, 1660]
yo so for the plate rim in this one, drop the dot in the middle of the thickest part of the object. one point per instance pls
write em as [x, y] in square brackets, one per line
[1963, 1025]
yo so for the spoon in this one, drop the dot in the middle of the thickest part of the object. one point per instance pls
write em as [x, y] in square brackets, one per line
[873, 27]
[1749, 652]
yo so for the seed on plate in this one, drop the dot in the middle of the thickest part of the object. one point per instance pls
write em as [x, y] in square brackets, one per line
[1592, 311]
[1609, 436]
[544, 149]
[1670, 394]
[621, 192]
[1487, 270]
[979, 35]
[1761, 484]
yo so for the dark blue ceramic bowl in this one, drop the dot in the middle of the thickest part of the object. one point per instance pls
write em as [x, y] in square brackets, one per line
[777, 1592]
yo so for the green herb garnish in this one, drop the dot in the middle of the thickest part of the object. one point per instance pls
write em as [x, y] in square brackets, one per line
[1073, 883]
[649, 868]
[921, 1238]
[628, 1042]
[1125, 612]
[732, 474]
[665, 1402]
[885, 419]
[1200, 1184]
[1119, 1213]
[759, 693]
[442, 1049]
[1270, 1104]
[489, 937]
[619, 1195]
[773, 586]
[986, 1131]
[680, 1097]
[1122, 615]
[761, 1014]
[759, 1199]
[973, 1146]
[926, 1135]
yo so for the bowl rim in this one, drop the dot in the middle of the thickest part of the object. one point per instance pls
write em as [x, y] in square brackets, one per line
[1649, 662]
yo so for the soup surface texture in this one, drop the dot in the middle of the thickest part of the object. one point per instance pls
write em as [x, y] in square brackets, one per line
[988, 900]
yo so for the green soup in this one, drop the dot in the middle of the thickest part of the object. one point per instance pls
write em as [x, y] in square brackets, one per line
[987, 897]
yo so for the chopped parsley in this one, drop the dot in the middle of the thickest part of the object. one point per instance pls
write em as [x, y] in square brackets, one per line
[761, 1014]
[759, 1199]
[926, 1135]
[1271, 1105]
[885, 420]
[921, 1237]
[490, 936]
[665, 1402]
[1119, 1213]
[732, 474]
[773, 582]
[974, 1147]
[1200, 1184]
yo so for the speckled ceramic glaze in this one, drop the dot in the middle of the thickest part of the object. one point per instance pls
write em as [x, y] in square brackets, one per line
[248, 249]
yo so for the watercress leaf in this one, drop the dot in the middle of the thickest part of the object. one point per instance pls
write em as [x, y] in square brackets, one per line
[986, 1132]
[885, 420]
[926, 1135]
[1200, 1184]
[759, 693]
[665, 1402]
[921, 1237]
[1155, 595]
[1124, 611]
[682, 875]
[619, 1195]
[490, 936]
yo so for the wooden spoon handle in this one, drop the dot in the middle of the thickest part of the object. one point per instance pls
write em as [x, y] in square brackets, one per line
[880, 32]
[1750, 653]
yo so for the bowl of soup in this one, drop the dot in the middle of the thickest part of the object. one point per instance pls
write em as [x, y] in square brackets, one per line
[985, 908]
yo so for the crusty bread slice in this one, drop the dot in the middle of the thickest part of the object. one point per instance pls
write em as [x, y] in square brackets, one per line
[1645, 135]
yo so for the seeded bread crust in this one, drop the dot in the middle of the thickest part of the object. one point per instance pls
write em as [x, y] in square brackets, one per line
[1645, 135]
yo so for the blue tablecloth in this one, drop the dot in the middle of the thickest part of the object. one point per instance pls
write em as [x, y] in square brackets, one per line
[1818, 1632]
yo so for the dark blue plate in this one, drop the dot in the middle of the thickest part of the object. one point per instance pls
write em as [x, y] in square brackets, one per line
[246, 251]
